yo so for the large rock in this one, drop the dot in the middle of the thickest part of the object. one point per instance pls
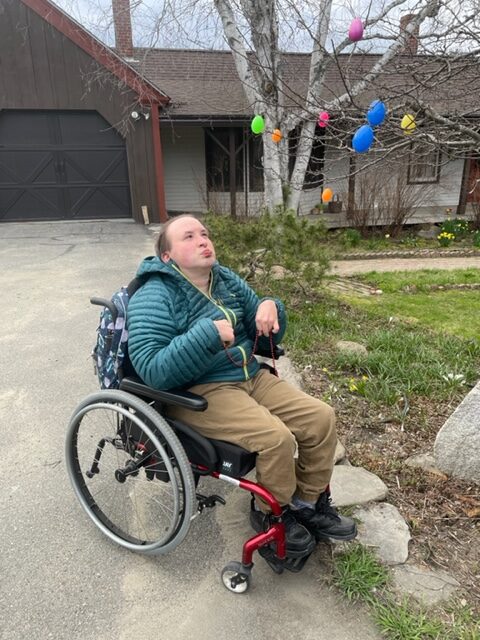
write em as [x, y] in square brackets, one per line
[340, 453]
[349, 347]
[424, 461]
[286, 370]
[457, 446]
[383, 529]
[427, 586]
[354, 485]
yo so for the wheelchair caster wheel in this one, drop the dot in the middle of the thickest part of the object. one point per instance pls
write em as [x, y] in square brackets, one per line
[236, 577]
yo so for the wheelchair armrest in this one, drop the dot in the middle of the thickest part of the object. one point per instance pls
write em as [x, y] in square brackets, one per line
[277, 352]
[177, 398]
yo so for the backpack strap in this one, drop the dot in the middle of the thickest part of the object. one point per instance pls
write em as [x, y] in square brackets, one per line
[135, 284]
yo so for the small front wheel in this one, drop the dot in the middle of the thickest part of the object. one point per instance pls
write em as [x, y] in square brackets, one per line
[236, 577]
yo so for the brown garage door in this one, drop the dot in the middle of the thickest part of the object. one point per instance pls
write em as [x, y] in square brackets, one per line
[57, 165]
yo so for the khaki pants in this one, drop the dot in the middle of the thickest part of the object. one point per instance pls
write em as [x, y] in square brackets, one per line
[266, 415]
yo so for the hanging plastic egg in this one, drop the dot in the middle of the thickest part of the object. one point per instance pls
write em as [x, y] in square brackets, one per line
[323, 119]
[258, 125]
[277, 135]
[408, 123]
[376, 113]
[363, 138]
[327, 195]
[355, 33]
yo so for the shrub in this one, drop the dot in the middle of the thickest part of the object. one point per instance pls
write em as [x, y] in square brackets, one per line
[476, 239]
[271, 248]
[351, 237]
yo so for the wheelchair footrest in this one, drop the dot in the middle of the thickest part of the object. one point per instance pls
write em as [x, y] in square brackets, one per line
[290, 564]
[206, 502]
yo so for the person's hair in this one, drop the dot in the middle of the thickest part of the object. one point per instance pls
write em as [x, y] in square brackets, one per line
[162, 243]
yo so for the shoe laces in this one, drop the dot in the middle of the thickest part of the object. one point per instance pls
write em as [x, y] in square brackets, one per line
[288, 518]
[326, 507]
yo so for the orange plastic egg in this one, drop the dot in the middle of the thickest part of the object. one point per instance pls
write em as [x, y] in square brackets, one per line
[276, 135]
[327, 195]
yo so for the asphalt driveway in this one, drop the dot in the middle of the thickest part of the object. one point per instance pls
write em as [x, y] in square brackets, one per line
[60, 578]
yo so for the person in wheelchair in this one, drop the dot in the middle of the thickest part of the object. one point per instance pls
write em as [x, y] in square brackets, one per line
[195, 324]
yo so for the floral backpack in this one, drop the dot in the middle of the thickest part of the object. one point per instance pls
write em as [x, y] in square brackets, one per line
[110, 350]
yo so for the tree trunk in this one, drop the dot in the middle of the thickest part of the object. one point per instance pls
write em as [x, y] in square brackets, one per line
[304, 150]
[272, 171]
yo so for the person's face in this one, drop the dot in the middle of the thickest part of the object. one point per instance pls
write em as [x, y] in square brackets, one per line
[190, 246]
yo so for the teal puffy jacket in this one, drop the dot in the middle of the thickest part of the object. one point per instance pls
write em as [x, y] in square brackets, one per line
[172, 339]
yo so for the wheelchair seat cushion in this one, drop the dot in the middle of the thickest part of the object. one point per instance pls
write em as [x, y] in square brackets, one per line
[233, 460]
[214, 455]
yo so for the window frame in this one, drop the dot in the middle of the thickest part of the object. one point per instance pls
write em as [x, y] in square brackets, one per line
[434, 179]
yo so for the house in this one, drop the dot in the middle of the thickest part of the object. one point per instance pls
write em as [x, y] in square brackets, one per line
[94, 132]
[65, 149]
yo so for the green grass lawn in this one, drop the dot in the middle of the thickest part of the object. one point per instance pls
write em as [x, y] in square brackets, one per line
[455, 312]
[419, 344]
[393, 281]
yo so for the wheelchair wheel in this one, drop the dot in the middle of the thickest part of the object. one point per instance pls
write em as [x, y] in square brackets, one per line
[130, 472]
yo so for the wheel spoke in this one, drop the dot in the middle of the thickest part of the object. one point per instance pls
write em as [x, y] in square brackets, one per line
[142, 513]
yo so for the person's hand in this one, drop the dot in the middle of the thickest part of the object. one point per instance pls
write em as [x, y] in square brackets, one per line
[225, 330]
[266, 319]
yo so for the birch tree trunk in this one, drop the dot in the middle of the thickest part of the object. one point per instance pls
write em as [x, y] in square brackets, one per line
[260, 71]
[260, 74]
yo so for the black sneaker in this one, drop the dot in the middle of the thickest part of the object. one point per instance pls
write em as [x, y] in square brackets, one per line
[325, 522]
[298, 540]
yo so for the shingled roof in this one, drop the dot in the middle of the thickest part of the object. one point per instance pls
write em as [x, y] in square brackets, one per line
[204, 85]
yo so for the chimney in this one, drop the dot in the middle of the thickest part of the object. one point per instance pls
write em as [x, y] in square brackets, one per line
[122, 22]
[411, 44]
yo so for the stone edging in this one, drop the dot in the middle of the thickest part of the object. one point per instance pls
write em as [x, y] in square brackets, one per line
[418, 253]
[441, 287]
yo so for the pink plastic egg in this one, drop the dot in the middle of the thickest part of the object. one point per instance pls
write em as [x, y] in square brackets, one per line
[323, 119]
[355, 33]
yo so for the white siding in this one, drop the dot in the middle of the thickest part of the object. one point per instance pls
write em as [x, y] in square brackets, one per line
[184, 168]
[185, 182]
[219, 202]
[335, 176]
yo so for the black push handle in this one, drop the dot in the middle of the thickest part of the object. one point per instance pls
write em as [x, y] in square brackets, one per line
[104, 302]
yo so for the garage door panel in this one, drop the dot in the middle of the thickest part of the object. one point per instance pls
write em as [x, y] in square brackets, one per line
[30, 204]
[22, 167]
[86, 200]
[84, 128]
[98, 167]
[34, 129]
[60, 165]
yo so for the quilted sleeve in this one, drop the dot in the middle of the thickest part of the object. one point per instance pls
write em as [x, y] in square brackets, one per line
[162, 357]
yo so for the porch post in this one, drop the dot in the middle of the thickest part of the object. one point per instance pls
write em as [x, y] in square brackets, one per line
[158, 161]
[351, 184]
[233, 173]
[462, 201]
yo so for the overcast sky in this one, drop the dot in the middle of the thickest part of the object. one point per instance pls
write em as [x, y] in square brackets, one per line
[195, 23]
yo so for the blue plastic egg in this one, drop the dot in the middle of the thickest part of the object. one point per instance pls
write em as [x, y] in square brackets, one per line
[362, 139]
[376, 113]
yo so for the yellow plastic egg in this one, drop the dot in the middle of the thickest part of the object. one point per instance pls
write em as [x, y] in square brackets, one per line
[408, 123]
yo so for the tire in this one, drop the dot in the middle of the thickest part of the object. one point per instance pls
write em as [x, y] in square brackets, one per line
[236, 578]
[130, 472]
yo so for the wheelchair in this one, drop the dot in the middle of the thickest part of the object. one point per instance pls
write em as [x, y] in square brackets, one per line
[136, 472]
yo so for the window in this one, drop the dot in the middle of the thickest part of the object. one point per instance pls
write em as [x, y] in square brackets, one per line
[423, 165]
[314, 173]
[220, 144]
[217, 148]
[255, 163]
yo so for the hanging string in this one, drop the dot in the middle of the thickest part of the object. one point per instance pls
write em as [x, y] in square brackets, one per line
[252, 355]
